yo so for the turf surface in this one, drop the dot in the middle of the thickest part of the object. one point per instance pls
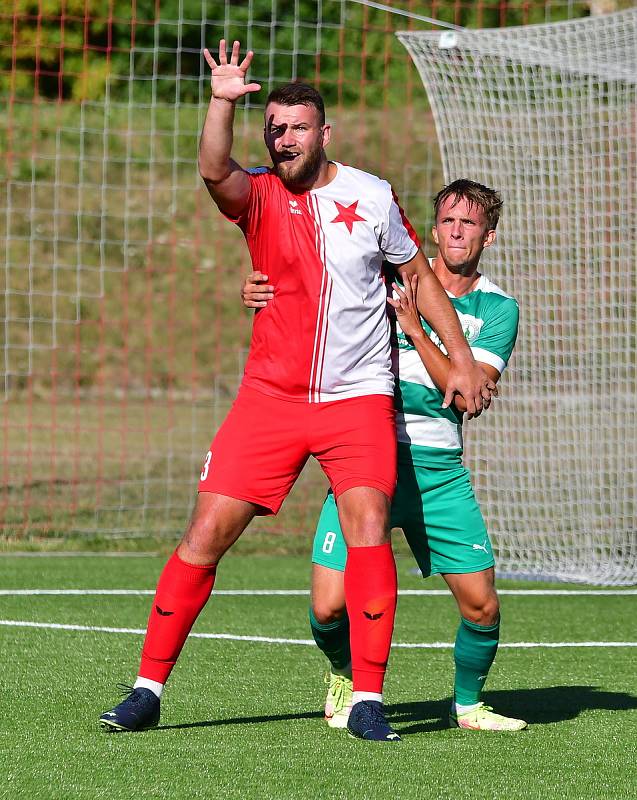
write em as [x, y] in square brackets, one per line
[242, 719]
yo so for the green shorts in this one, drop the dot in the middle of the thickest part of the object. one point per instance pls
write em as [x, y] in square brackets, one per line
[439, 514]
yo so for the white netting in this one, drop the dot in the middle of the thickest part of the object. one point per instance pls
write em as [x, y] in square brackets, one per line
[547, 114]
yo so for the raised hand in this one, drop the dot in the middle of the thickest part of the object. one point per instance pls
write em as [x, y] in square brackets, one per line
[228, 79]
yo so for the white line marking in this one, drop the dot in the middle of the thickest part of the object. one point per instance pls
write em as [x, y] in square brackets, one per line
[76, 554]
[72, 592]
[271, 640]
[305, 592]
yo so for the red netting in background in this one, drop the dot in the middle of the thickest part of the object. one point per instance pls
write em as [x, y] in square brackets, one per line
[123, 337]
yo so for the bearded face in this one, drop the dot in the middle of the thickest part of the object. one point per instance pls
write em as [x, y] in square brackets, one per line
[295, 140]
[298, 169]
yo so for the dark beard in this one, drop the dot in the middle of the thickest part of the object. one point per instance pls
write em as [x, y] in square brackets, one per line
[305, 177]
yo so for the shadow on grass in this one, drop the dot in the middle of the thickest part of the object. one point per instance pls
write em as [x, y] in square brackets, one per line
[541, 706]
[211, 723]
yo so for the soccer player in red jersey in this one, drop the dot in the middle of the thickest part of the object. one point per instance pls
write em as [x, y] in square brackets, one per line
[318, 379]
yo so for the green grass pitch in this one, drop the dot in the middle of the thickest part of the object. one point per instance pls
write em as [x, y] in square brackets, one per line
[242, 718]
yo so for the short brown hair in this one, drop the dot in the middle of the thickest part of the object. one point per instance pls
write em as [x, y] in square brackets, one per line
[298, 94]
[475, 194]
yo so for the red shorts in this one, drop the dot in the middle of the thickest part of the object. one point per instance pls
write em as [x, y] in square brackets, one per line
[264, 442]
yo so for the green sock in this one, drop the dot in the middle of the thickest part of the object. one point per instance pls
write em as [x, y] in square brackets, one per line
[333, 639]
[473, 654]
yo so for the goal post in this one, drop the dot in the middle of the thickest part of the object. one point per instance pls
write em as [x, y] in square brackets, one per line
[547, 114]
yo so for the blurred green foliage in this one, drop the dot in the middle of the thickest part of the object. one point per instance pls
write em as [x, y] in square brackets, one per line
[71, 49]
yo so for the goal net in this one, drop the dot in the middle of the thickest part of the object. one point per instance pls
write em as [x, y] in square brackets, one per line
[547, 114]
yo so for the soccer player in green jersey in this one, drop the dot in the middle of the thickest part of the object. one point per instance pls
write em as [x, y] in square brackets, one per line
[434, 502]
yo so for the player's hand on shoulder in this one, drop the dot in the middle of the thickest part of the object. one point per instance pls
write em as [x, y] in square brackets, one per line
[228, 77]
[256, 292]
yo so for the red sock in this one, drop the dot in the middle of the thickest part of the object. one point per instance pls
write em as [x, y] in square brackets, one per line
[182, 592]
[370, 595]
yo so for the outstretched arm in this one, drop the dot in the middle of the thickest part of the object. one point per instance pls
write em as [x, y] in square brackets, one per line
[226, 181]
[466, 377]
[436, 362]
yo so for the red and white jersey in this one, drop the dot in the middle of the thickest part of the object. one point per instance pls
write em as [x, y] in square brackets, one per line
[325, 335]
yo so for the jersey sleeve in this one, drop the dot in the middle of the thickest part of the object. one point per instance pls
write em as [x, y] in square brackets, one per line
[496, 340]
[398, 241]
[248, 218]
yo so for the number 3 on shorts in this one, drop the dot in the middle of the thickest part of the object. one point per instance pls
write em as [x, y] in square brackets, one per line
[328, 542]
[206, 466]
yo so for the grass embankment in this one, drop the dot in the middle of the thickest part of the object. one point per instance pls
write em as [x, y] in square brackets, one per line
[125, 337]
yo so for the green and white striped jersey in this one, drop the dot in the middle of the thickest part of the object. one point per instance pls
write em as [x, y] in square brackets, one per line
[489, 319]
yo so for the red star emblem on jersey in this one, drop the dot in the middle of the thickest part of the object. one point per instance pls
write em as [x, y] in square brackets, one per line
[348, 215]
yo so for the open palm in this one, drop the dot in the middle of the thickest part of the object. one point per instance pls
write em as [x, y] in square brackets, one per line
[228, 78]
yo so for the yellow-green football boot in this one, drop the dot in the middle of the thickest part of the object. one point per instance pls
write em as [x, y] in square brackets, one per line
[338, 702]
[483, 718]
